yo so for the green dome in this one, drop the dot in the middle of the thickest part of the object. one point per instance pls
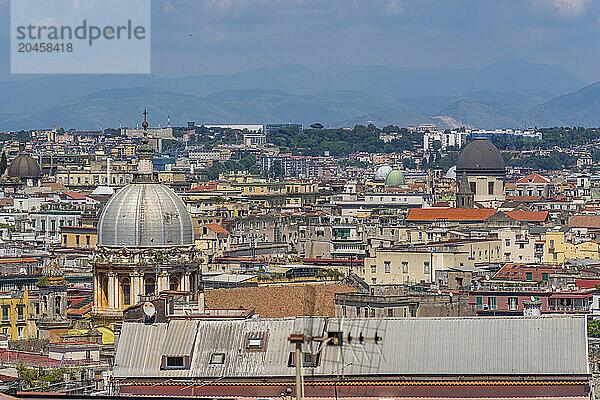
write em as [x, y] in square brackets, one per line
[394, 178]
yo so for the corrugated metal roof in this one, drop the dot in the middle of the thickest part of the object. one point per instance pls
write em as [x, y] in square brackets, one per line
[456, 346]
[180, 338]
[410, 346]
[139, 349]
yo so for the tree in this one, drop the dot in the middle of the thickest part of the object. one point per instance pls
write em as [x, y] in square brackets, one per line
[276, 170]
[3, 163]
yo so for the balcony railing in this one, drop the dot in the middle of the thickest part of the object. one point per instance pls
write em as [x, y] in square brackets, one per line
[568, 308]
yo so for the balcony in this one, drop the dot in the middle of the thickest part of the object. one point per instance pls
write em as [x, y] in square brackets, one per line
[557, 308]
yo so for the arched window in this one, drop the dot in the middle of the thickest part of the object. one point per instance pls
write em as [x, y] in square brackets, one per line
[174, 283]
[149, 286]
[126, 291]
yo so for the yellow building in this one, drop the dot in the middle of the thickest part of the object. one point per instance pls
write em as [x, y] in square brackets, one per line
[418, 264]
[13, 315]
[558, 249]
[78, 237]
[171, 177]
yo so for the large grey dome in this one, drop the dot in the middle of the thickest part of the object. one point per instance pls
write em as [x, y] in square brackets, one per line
[24, 166]
[480, 157]
[145, 214]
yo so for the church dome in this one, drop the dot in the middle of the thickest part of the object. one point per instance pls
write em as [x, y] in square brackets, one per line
[145, 215]
[394, 178]
[451, 173]
[381, 173]
[480, 157]
[24, 166]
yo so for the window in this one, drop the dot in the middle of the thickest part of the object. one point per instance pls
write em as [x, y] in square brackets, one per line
[490, 187]
[5, 313]
[76, 240]
[21, 332]
[479, 301]
[513, 303]
[405, 267]
[174, 363]
[373, 269]
[390, 312]
[492, 302]
[87, 240]
[20, 312]
[254, 343]
[372, 313]
[521, 246]
[57, 306]
[386, 264]
[174, 283]
[528, 276]
[126, 288]
[358, 311]
[426, 268]
[545, 276]
[149, 287]
[217, 359]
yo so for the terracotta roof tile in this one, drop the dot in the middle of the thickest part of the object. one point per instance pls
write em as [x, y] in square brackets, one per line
[216, 228]
[531, 216]
[534, 178]
[281, 301]
[585, 221]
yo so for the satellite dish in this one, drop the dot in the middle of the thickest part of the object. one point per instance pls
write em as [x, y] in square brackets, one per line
[532, 298]
[149, 309]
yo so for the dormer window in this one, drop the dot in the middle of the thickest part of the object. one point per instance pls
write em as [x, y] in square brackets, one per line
[174, 363]
[254, 343]
[217, 359]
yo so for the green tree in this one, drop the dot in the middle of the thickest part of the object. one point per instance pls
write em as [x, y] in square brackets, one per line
[3, 163]
[276, 170]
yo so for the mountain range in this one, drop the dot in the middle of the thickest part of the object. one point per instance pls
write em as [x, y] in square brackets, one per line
[507, 94]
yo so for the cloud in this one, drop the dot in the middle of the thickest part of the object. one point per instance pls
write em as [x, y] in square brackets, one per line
[566, 8]
[393, 7]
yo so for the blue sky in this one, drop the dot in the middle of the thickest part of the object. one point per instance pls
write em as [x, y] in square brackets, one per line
[224, 36]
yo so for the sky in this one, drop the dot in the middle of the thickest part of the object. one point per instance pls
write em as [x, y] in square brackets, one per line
[194, 37]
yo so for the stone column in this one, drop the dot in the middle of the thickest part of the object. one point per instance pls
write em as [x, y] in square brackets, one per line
[135, 288]
[165, 281]
[112, 301]
[96, 301]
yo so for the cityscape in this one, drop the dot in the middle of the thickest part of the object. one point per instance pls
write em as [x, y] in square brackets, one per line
[237, 200]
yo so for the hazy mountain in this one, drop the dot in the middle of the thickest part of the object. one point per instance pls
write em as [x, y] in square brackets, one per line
[109, 108]
[486, 114]
[581, 108]
[509, 93]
